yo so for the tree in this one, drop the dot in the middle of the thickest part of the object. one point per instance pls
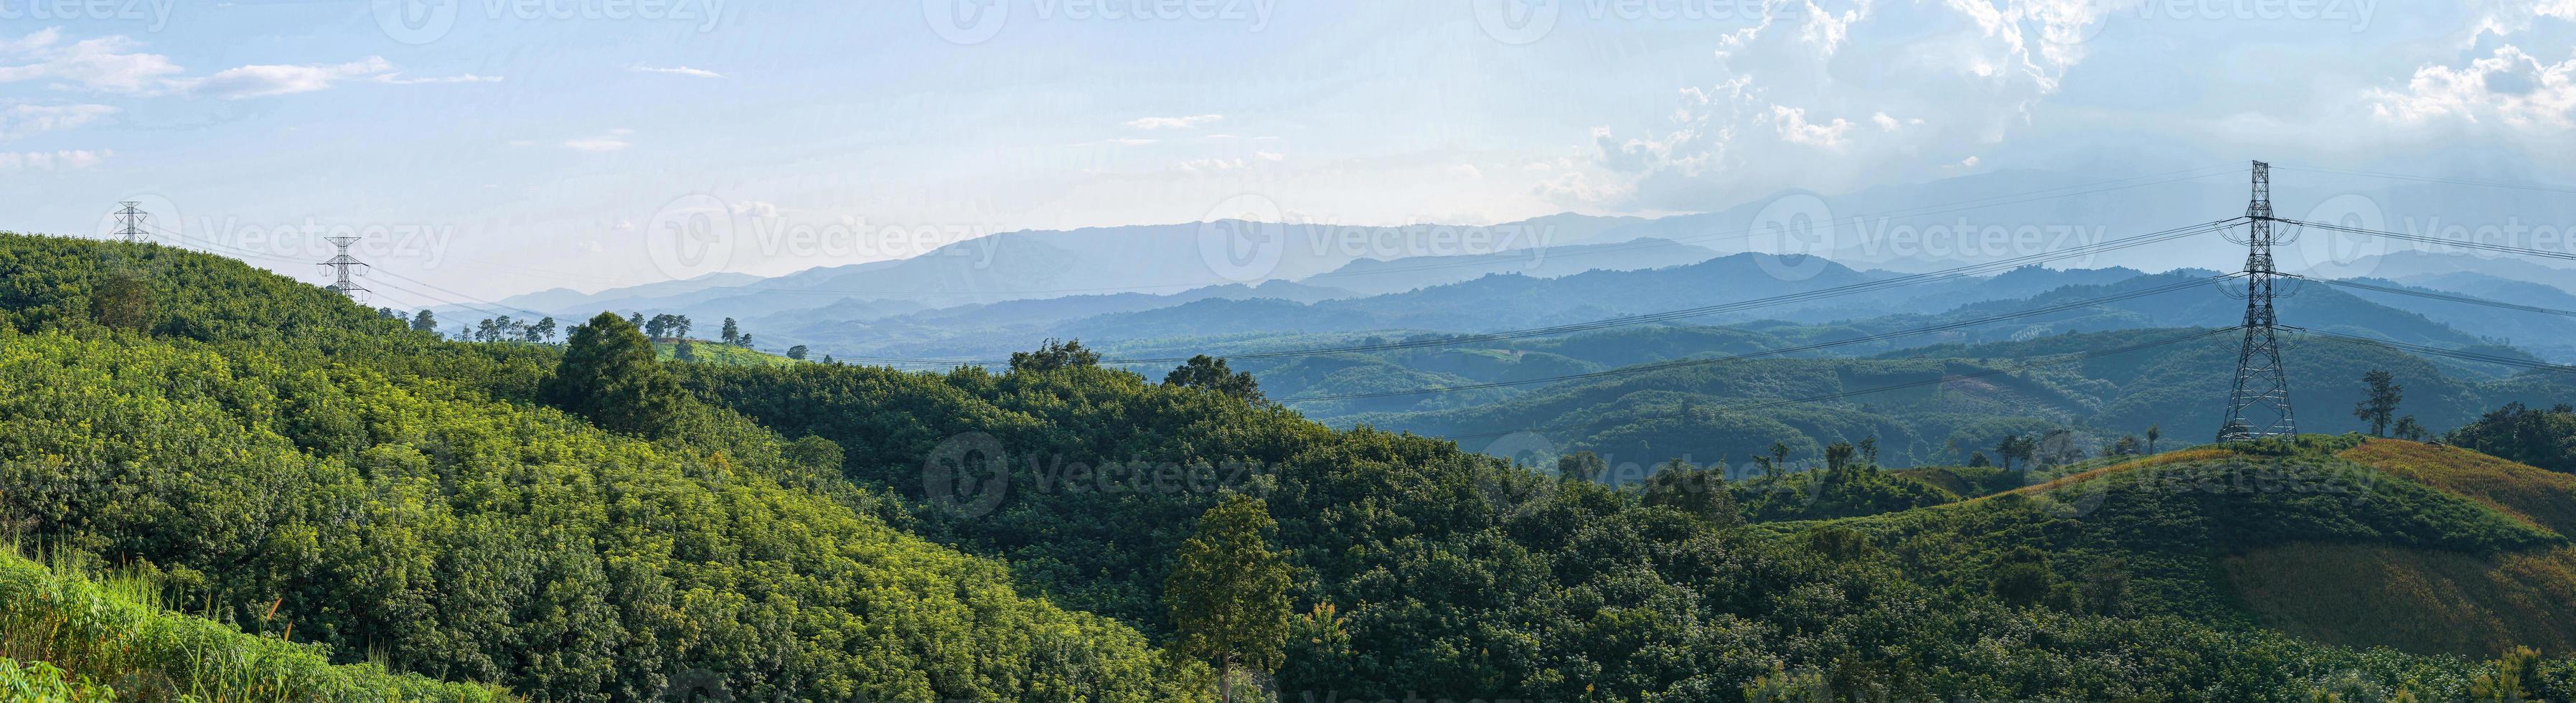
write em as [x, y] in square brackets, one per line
[2154, 432]
[681, 326]
[1581, 466]
[1054, 355]
[2126, 445]
[545, 330]
[2380, 404]
[2410, 430]
[743, 341]
[1228, 591]
[658, 328]
[608, 374]
[1979, 459]
[125, 300]
[732, 332]
[796, 352]
[1779, 456]
[2016, 447]
[424, 321]
[1207, 373]
[1694, 491]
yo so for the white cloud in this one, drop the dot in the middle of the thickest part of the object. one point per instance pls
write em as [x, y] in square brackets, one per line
[679, 71]
[1466, 171]
[1870, 83]
[1269, 155]
[1794, 128]
[105, 64]
[1189, 122]
[22, 120]
[2510, 86]
[266, 80]
[1130, 141]
[52, 160]
[1207, 165]
[400, 79]
[612, 140]
[112, 65]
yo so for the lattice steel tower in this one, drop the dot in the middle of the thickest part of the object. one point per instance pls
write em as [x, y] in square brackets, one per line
[2260, 406]
[340, 265]
[131, 218]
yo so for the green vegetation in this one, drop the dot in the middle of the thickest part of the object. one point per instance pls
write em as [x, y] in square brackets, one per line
[288, 460]
[705, 352]
[65, 638]
[298, 474]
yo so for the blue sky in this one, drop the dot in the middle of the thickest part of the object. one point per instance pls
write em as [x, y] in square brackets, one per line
[502, 146]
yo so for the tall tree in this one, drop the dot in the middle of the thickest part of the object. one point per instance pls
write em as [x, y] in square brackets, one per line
[732, 332]
[1208, 373]
[1229, 591]
[608, 374]
[424, 321]
[545, 330]
[1054, 355]
[1694, 491]
[2379, 406]
[2408, 429]
[796, 352]
[2154, 432]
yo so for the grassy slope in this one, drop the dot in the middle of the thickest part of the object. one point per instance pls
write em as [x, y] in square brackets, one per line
[721, 354]
[92, 635]
[2423, 600]
[2314, 545]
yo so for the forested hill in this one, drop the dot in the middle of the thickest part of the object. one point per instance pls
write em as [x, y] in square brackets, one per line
[589, 524]
[275, 458]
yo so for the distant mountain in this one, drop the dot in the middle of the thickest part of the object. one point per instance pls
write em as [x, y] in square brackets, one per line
[1375, 276]
[2426, 268]
[1144, 259]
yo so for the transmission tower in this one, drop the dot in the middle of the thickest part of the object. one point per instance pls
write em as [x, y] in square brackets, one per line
[2260, 406]
[340, 265]
[131, 221]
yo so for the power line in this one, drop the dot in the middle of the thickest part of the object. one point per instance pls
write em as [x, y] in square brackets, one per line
[1917, 211]
[1687, 363]
[2461, 354]
[2465, 244]
[2432, 295]
[2429, 179]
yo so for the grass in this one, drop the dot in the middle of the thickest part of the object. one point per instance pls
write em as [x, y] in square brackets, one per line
[2535, 495]
[720, 353]
[64, 637]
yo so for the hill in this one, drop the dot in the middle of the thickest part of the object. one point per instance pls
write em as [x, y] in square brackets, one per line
[88, 640]
[463, 511]
[283, 453]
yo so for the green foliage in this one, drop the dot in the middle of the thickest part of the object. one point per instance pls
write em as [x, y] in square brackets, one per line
[2380, 405]
[84, 643]
[1204, 372]
[1054, 355]
[2542, 438]
[1229, 591]
[608, 374]
[307, 470]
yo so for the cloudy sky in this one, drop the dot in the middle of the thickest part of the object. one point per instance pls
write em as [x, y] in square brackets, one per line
[501, 146]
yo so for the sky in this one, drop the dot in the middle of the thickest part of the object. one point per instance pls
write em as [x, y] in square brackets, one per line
[489, 147]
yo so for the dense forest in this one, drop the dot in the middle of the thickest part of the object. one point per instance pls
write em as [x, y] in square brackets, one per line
[274, 468]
